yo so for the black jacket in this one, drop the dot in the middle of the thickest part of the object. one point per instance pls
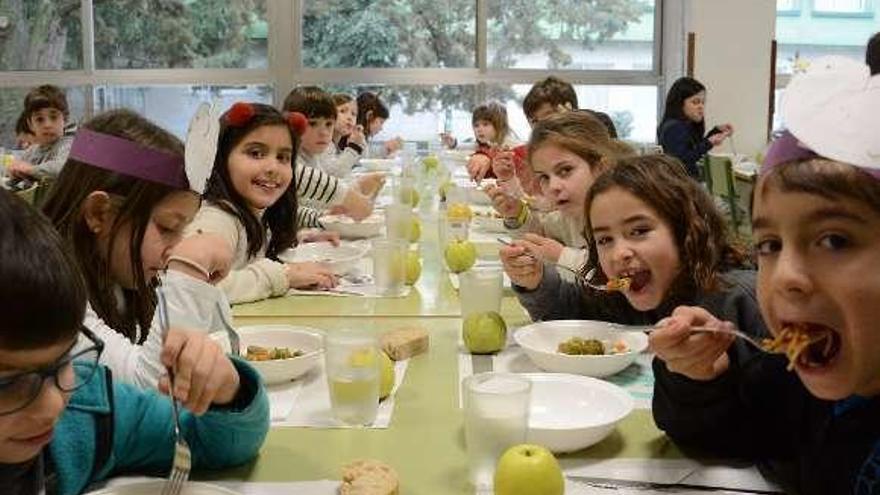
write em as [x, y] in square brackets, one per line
[682, 140]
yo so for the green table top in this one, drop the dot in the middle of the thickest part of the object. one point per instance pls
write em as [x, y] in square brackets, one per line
[425, 441]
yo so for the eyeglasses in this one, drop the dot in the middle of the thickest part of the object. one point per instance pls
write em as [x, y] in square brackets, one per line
[19, 391]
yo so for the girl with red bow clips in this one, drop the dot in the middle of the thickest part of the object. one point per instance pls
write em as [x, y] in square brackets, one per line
[251, 202]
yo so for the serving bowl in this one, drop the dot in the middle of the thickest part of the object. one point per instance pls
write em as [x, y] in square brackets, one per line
[349, 228]
[568, 412]
[341, 259]
[541, 340]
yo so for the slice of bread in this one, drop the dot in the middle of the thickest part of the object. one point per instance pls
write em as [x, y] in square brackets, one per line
[368, 477]
[406, 342]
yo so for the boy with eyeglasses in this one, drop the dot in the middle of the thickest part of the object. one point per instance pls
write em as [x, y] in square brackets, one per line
[64, 424]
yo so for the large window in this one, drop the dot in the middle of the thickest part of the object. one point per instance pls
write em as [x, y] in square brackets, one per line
[820, 28]
[432, 60]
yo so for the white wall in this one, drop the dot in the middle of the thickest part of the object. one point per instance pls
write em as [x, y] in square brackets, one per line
[733, 40]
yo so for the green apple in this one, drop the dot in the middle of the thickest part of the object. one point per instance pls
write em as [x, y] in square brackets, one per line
[431, 163]
[386, 377]
[409, 196]
[413, 267]
[460, 255]
[415, 231]
[484, 333]
[528, 469]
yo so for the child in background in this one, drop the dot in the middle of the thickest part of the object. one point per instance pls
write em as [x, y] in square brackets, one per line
[348, 135]
[123, 220]
[64, 422]
[648, 222]
[371, 116]
[681, 132]
[47, 114]
[318, 107]
[816, 219]
[493, 135]
[567, 152]
[251, 203]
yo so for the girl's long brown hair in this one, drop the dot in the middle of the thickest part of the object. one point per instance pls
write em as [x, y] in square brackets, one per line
[134, 200]
[699, 230]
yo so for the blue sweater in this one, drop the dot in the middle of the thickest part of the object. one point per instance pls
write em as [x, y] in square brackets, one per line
[680, 139]
[140, 436]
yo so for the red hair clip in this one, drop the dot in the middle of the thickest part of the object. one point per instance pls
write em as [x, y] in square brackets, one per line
[239, 114]
[297, 121]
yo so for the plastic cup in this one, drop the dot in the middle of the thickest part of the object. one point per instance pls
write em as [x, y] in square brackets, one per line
[352, 364]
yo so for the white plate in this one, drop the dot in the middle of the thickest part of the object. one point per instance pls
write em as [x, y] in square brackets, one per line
[351, 229]
[341, 259]
[568, 413]
[308, 340]
[154, 487]
[540, 341]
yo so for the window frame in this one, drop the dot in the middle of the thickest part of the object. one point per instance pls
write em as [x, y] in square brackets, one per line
[285, 67]
[866, 12]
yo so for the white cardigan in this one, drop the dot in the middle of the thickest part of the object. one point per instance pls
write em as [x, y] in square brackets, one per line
[192, 304]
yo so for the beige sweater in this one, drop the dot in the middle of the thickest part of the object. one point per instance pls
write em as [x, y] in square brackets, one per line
[251, 278]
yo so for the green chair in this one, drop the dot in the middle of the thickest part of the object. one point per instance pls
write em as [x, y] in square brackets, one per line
[718, 172]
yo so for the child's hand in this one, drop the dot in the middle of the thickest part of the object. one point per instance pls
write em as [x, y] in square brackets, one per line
[477, 166]
[393, 145]
[356, 205]
[717, 139]
[506, 205]
[524, 270]
[209, 251]
[696, 355]
[358, 137]
[203, 374]
[726, 129]
[503, 166]
[542, 247]
[370, 184]
[310, 275]
[21, 170]
[315, 235]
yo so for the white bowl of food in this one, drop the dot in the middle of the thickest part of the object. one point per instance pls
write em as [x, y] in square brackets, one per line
[341, 259]
[153, 487]
[580, 353]
[568, 413]
[281, 353]
[378, 164]
[349, 228]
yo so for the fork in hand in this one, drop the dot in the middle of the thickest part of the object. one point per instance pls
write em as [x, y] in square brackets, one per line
[585, 279]
[736, 333]
[182, 462]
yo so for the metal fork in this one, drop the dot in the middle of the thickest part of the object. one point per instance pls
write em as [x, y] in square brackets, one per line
[182, 463]
[737, 333]
[234, 341]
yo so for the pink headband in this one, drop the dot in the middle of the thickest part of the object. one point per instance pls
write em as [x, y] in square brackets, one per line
[126, 157]
[787, 148]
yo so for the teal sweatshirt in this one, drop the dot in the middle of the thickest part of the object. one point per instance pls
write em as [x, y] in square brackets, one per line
[129, 430]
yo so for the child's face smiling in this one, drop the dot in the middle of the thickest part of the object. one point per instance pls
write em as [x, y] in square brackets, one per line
[318, 136]
[346, 116]
[24, 433]
[633, 241]
[47, 125]
[819, 265]
[260, 166]
[484, 131]
[564, 178]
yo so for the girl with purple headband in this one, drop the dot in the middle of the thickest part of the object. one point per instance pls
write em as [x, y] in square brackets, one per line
[816, 222]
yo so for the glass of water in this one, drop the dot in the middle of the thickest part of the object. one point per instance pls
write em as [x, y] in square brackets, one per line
[496, 417]
[389, 266]
[481, 289]
[352, 364]
[398, 221]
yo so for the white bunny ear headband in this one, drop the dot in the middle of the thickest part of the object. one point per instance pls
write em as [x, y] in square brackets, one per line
[126, 157]
[201, 145]
[831, 110]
